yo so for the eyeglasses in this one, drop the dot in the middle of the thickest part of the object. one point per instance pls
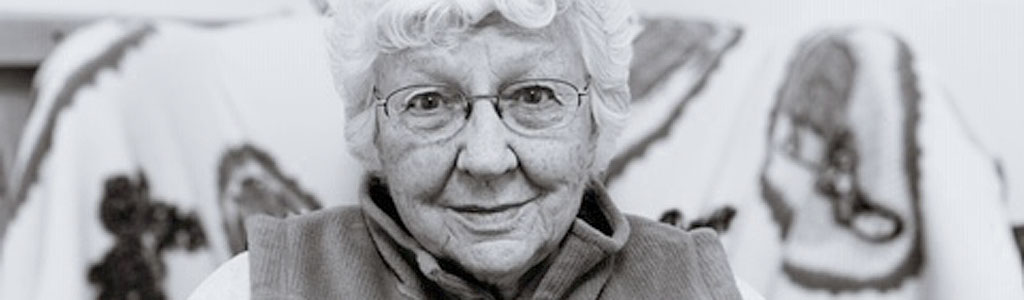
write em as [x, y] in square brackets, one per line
[529, 107]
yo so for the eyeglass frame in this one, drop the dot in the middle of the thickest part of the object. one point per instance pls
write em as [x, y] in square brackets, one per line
[469, 99]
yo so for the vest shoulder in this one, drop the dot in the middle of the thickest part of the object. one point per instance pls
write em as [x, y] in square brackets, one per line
[344, 216]
[341, 217]
[649, 233]
[663, 261]
[310, 234]
[327, 254]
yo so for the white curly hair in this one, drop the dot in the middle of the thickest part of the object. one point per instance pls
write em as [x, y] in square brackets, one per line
[363, 29]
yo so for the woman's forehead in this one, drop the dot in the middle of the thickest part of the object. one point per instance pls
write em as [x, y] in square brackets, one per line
[500, 51]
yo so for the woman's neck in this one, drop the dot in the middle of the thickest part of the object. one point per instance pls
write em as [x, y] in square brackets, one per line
[511, 285]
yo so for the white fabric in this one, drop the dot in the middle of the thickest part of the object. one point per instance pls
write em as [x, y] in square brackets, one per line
[170, 108]
[229, 281]
[713, 156]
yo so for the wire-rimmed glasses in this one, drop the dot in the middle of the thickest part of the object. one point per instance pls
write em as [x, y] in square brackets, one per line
[439, 111]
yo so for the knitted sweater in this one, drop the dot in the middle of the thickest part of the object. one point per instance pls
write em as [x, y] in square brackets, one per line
[362, 253]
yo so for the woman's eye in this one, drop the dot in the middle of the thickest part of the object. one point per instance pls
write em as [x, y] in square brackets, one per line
[534, 95]
[425, 102]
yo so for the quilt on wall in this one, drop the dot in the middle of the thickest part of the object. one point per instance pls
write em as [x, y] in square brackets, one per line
[146, 150]
[833, 167]
[149, 143]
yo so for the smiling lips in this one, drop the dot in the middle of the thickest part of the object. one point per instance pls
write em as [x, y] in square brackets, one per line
[492, 220]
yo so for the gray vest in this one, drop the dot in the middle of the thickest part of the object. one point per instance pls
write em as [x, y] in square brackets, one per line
[360, 252]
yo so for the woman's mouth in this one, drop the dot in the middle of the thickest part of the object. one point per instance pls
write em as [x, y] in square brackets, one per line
[493, 220]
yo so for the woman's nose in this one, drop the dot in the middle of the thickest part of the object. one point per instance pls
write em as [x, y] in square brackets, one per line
[485, 152]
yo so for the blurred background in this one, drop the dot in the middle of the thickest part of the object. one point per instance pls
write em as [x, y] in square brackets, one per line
[975, 45]
[168, 111]
[31, 30]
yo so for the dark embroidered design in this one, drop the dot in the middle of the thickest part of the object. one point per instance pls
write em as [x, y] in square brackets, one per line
[1018, 235]
[692, 43]
[719, 220]
[672, 217]
[700, 55]
[143, 228]
[815, 96]
[249, 183]
[84, 75]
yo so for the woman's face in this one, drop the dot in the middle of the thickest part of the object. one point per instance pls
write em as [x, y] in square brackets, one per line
[491, 198]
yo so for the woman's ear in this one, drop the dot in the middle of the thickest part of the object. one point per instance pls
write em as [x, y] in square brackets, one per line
[361, 133]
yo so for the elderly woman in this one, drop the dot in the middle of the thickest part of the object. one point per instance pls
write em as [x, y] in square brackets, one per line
[485, 127]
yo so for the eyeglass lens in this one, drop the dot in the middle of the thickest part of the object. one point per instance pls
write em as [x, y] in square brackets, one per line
[525, 106]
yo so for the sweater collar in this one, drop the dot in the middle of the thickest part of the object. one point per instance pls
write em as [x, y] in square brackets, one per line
[598, 232]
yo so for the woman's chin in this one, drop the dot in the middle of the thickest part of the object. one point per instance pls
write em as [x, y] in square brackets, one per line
[498, 258]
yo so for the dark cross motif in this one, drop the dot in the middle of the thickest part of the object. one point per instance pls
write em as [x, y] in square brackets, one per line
[143, 228]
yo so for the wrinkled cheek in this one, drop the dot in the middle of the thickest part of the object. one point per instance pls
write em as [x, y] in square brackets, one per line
[418, 172]
[550, 163]
[412, 167]
[431, 228]
[563, 212]
[416, 175]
